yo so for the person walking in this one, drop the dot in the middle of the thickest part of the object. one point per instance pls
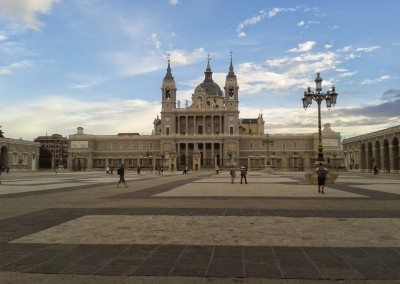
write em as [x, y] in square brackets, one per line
[322, 173]
[121, 173]
[217, 170]
[232, 173]
[107, 170]
[243, 174]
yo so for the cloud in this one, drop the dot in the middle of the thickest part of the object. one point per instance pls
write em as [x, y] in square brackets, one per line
[348, 74]
[11, 68]
[25, 12]
[307, 24]
[84, 81]
[303, 47]
[250, 21]
[62, 114]
[174, 2]
[275, 11]
[376, 80]
[328, 46]
[135, 62]
[153, 39]
[262, 14]
[2, 37]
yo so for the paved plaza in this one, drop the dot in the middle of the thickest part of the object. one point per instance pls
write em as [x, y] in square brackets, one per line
[77, 227]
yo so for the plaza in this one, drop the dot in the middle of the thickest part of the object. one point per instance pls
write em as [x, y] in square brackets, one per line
[76, 226]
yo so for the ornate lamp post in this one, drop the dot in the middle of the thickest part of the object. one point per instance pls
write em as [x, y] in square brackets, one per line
[318, 96]
[267, 141]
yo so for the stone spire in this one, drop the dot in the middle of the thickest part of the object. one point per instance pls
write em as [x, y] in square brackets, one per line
[168, 75]
[231, 73]
[208, 72]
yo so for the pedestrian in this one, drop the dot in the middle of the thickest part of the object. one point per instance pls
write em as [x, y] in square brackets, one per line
[243, 174]
[138, 170]
[376, 170]
[232, 173]
[108, 170]
[217, 170]
[185, 171]
[111, 170]
[162, 171]
[157, 173]
[8, 170]
[121, 173]
[322, 173]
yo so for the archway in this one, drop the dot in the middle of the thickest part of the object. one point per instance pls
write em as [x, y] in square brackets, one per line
[363, 157]
[370, 156]
[395, 144]
[386, 163]
[3, 157]
[378, 154]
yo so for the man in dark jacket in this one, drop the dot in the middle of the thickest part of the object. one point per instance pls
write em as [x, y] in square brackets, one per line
[121, 173]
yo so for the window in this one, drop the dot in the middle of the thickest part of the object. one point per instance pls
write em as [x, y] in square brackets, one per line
[120, 145]
[231, 130]
[130, 162]
[119, 161]
[150, 145]
[150, 162]
[15, 159]
[294, 144]
[167, 130]
[283, 144]
[167, 94]
[199, 129]
[251, 145]
[140, 145]
[24, 159]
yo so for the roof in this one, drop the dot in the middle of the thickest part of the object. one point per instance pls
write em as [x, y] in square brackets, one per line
[250, 121]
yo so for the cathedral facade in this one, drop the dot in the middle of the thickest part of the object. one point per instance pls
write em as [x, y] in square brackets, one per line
[205, 134]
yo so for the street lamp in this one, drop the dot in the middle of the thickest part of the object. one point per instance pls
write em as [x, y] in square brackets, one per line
[334, 160]
[267, 141]
[330, 98]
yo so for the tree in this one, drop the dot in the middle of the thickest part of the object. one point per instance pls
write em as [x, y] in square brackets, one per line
[1, 133]
[44, 158]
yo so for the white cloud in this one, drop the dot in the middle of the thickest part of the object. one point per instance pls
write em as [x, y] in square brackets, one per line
[9, 69]
[134, 62]
[348, 74]
[303, 47]
[260, 16]
[84, 81]
[328, 46]
[59, 113]
[2, 37]
[181, 57]
[250, 21]
[153, 39]
[174, 2]
[275, 11]
[376, 80]
[334, 27]
[25, 12]
[301, 23]
[307, 24]
[368, 49]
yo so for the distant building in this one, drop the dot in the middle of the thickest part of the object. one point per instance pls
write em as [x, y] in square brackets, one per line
[205, 134]
[379, 148]
[58, 147]
[19, 154]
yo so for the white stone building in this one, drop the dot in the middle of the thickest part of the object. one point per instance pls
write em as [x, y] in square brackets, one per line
[204, 134]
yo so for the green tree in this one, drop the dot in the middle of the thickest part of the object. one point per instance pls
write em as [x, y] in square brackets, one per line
[44, 158]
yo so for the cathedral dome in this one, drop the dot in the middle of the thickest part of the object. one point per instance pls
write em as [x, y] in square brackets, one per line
[209, 88]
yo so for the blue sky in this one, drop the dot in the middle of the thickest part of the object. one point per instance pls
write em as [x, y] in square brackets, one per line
[99, 64]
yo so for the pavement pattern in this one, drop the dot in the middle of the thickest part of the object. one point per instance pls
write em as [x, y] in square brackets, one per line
[200, 228]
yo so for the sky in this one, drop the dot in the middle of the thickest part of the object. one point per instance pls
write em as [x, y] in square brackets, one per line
[100, 64]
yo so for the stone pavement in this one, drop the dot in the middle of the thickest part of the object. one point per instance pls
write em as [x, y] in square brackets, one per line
[197, 228]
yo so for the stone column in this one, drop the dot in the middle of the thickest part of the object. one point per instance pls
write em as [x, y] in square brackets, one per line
[204, 153]
[186, 153]
[212, 124]
[187, 127]
[70, 162]
[220, 125]
[391, 157]
[221, 161]
[212, 153]
[178, 131]
[204, 125]
[89, 162]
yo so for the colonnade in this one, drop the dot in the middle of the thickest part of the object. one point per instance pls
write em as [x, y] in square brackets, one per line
[211, 124]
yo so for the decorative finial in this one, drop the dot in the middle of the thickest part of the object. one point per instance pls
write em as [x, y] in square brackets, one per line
[208, 62]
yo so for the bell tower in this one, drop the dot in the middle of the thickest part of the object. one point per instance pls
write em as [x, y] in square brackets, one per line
[231, 89]
[168, 90]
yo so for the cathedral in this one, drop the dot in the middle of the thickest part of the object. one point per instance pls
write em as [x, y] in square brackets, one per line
[203, 135]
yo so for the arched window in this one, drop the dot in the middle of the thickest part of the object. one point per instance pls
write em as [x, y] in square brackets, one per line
[167, 94]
